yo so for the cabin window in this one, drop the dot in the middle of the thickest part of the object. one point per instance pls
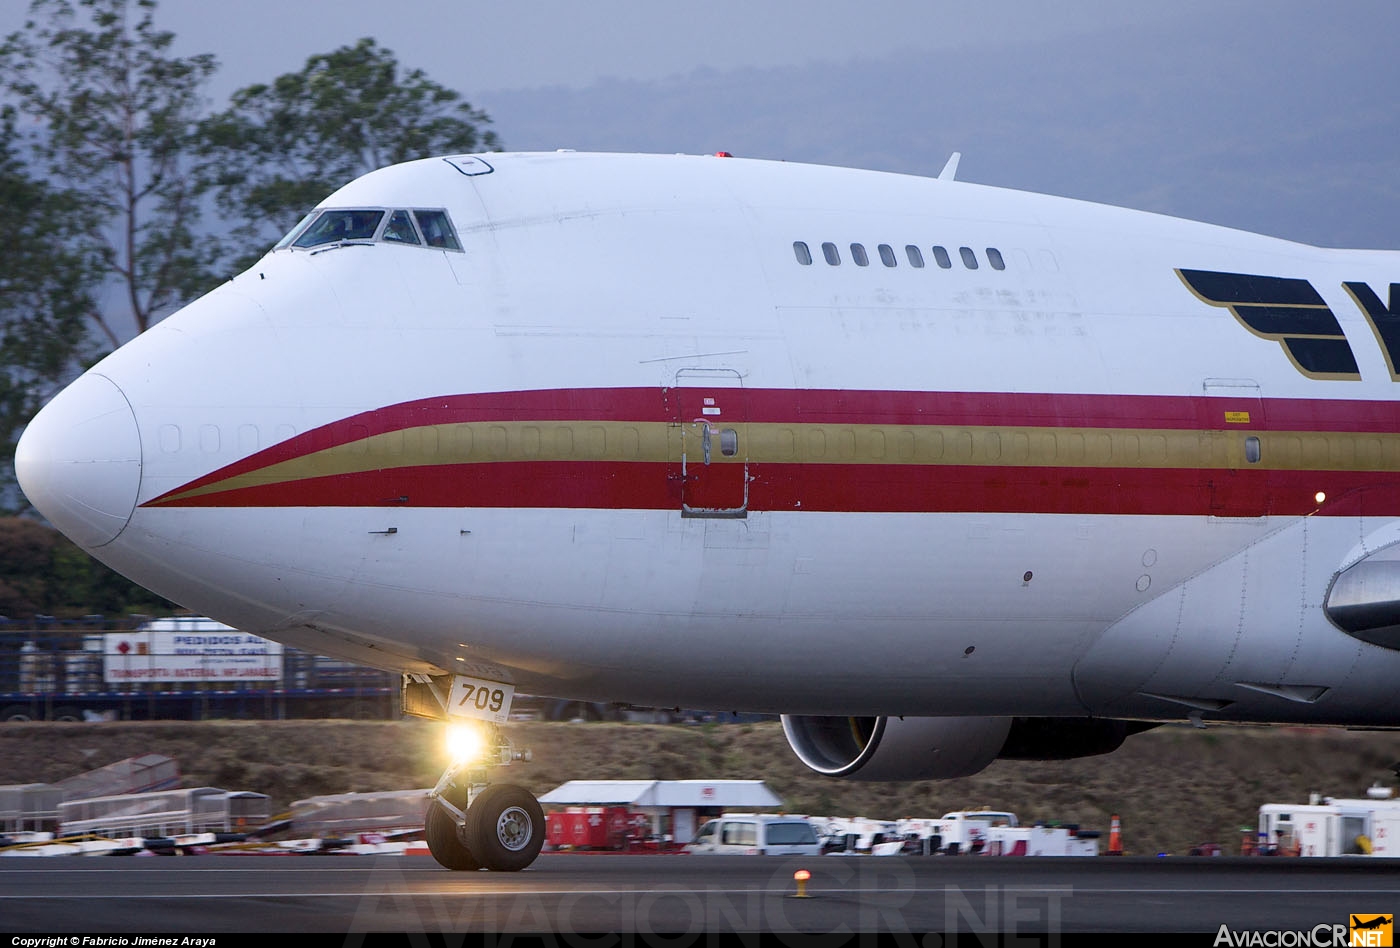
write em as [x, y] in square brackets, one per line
[437, 229]
[858, 255]
[1251, 449]
[969, 258]
[804, 256]
[941, 256]
[832, 255]
[887, 255]
[995, 259]
[336, 226]
[400, 229]
[915, 255]
[170, 439]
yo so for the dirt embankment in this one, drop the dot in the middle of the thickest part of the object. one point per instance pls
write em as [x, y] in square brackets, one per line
[1172, 787]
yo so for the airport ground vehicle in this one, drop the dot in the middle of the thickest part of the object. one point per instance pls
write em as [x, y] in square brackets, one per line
[128, 669]
[756, 834]
[1332, 826]
[66, 670]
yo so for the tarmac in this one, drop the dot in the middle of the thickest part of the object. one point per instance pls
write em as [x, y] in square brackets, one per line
[654, 896]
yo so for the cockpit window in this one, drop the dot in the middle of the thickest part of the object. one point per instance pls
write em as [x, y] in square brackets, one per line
[362, 225]
[400, 229]
[437, 229]
[335, 226]
[295, 231]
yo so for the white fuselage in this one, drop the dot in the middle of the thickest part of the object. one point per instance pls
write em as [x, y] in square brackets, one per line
[952, 491]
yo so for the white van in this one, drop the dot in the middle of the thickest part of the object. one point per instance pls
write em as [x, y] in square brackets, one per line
[756, 834]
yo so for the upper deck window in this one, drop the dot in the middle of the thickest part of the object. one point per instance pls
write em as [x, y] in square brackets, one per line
[334, 226]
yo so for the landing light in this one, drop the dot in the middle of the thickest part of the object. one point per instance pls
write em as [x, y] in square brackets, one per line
[465, 742]
[1319, 497]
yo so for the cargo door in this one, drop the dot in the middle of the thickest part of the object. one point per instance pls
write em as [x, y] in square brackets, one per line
[709, 443]
[1232, 421]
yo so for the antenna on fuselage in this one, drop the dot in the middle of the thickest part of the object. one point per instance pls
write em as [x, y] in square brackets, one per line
[950, 170]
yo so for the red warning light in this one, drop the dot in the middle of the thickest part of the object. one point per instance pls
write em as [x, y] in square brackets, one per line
[723, 154]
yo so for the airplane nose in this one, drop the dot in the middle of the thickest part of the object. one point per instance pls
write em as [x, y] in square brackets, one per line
[79, 461]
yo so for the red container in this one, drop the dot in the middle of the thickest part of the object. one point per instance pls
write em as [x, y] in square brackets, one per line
[591, 827]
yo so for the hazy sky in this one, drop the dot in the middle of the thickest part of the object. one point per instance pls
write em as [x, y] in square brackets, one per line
[1275, 115]
[530, 43]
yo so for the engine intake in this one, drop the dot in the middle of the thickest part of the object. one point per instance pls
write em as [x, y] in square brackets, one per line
[910, 748]
[869, 748]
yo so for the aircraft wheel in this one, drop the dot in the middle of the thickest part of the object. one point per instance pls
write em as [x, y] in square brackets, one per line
[505, 827]
[445, 841]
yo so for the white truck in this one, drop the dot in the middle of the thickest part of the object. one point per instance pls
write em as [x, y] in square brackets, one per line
[1328, 826]
[997, 833]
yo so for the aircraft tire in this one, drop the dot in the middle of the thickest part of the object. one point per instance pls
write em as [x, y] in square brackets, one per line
[505, 827]
[445, 841]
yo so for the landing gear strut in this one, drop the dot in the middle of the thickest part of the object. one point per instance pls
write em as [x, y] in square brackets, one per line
[472, 823]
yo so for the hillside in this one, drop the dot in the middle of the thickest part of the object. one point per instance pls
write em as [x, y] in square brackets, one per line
[1173, 787]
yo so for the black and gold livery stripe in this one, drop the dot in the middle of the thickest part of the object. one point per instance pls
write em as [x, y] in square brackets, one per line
[1384, 320]
[1286, 310]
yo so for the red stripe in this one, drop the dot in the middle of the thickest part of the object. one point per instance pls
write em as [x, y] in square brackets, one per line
[814, 406]
[838, 487]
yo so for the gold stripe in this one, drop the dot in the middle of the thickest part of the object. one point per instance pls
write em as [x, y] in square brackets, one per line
[777, 443]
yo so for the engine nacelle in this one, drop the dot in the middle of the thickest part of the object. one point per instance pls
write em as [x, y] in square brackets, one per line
[871, 748]
[867, 748]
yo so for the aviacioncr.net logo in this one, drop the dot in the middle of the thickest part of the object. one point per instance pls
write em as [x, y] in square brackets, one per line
[1370, 931]
[1319, 936]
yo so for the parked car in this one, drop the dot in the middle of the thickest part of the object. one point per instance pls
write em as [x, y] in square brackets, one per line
[756, 834]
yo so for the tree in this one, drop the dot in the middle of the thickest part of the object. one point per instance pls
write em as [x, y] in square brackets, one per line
[43, 572]
[44, 299]
[117, 118]
[282, 147]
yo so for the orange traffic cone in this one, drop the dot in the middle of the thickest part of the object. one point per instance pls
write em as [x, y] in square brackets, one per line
[1115, 838]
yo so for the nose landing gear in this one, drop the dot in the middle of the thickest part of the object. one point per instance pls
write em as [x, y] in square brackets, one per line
[472, 823]
[499, 826]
